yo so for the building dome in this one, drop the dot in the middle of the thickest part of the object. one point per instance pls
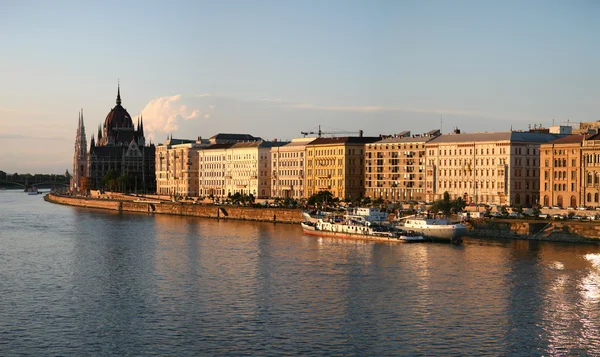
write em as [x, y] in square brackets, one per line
[118, 118]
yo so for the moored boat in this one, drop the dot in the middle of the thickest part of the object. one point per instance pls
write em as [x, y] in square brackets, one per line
[354, 230]
[435, 228]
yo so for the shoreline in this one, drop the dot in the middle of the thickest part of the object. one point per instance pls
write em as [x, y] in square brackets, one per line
[543, 231]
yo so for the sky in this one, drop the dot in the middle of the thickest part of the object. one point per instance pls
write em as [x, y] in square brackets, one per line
[276, 68]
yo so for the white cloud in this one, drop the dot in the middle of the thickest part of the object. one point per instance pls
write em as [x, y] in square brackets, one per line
[165, 115]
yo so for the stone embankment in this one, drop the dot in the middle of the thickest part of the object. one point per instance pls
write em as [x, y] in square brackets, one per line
[559, 231]
[123, 204]
[556, 231]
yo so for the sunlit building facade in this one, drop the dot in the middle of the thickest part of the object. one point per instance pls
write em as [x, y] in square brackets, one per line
[248, 168]
[177, 167]
[288, 165]
[486, 168]
[337, 165]
[561, 182]
[395, 167]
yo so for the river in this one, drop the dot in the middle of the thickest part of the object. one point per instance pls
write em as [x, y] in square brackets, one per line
[84, 282]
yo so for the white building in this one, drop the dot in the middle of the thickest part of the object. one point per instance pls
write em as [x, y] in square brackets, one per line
[288, 174]
[212, 165]
[491, 168]
[248, 168]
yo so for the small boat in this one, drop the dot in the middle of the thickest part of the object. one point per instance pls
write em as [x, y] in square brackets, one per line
[32, 191]
[434, 228]
[352, 229]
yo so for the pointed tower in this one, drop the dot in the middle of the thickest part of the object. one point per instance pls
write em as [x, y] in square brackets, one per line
[80, 156]
[118, 93]
[141, 137]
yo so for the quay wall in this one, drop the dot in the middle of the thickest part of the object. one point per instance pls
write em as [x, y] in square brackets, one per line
[558, 231]
[278, 215]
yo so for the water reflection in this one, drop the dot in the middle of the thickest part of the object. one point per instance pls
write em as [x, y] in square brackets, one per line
[104, 283]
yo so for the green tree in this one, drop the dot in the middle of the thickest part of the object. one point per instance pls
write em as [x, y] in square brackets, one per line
[321, 198]
[458, 205]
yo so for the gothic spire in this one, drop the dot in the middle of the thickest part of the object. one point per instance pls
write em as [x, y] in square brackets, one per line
[141, 129]
[99, 132]
[118, 93]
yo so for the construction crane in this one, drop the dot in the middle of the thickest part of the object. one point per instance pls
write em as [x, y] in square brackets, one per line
[321, 133]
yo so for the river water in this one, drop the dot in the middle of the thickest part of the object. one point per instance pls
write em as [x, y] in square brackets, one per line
[83, 282]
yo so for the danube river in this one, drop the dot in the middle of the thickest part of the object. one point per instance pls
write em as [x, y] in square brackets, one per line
[82, 282]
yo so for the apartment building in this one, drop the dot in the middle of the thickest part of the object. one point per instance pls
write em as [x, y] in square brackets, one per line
[561, 180]
[248, 168]
[288, 165]
[177, 167]
[212, 169]
[590, 171]
[336, 165]
[395, 167]
[491, 168]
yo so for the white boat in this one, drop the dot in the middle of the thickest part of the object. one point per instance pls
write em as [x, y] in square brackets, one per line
[355, 230]
[435, 228]
[32, 191]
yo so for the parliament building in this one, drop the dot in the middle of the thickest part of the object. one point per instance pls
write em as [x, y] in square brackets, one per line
[120, 148]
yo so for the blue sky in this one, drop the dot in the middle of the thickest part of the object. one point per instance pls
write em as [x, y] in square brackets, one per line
[275, 68]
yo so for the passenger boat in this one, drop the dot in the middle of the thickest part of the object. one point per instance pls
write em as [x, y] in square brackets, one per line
[434, 228]
[32, 191]
[351, 229]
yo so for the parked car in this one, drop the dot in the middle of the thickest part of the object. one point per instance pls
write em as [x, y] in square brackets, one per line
[581, 208]
[556, 207]
[570, 207]
[557, 216]
[543, 216]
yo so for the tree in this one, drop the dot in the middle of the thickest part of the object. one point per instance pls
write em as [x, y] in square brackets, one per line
[447, 206]
[321, 198]
[458, 205]
[110, 180]
[366, 201]
[378, 202]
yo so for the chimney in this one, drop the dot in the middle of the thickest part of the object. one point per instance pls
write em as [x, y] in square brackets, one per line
[275, 140]
[360, 133]
[456, 130]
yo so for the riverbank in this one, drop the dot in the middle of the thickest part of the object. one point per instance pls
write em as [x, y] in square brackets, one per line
[551, 231]
[554, 231]
[123, 203]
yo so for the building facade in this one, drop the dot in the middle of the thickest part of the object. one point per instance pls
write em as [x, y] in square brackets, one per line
[212, 161]
[487, 168]
[336, 165]
[177, 167]
[561, 172]
[248, 168]
[590, 171]
[288, 165]
[395, 167]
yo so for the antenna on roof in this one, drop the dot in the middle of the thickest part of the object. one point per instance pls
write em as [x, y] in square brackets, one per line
[441, 122]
